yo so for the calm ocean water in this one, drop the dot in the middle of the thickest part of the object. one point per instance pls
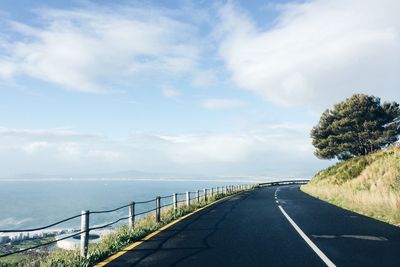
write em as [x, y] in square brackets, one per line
[37, 203]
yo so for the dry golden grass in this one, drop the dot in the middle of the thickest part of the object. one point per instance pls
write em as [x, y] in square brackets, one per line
[368, 185]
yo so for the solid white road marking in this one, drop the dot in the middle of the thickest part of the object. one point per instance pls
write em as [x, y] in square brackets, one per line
[323, 257]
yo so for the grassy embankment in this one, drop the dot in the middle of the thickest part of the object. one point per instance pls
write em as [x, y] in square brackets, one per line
[110, 244]
[369, 185]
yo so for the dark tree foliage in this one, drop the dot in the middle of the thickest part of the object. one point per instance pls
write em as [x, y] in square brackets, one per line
[357, 126]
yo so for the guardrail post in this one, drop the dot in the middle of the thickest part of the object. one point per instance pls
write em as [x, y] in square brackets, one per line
[205, 194]
[158, 209]
[131, 214]
[84, 233]
[187, 199]
[212, 191]
[175, 201]
[198, 196]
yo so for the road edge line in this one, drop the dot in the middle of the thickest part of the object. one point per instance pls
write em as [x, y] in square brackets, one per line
[137, 243]
[314, 247]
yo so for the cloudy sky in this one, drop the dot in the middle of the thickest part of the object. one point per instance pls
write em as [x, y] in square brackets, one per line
[219, 88]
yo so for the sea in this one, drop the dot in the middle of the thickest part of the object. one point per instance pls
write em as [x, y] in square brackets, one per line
[28, 204]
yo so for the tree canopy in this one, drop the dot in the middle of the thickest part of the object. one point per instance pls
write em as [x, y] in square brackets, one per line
[357, 126]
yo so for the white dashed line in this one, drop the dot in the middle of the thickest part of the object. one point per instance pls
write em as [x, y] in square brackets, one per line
[323, 257]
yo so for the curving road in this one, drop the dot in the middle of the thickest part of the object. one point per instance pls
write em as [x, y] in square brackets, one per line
[271, 226]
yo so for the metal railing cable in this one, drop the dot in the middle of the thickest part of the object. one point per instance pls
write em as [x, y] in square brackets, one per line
[163, 197]
[144, 212]
[303, 181]
[108, 211]
[145, 202]
[108, 224]
[41, 228]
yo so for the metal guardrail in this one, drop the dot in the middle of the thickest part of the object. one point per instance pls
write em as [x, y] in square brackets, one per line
[85, 215]
[303, 181]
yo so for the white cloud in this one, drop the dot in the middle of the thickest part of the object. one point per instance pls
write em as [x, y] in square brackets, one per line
[317, 53]
[69, 151]
[277, 149]
[7, 69]
[104, 155]
[36, 146]
[204, 78]
[91, 49]
[169, 92]
[222, 103]
[209, 148]
[58, 133]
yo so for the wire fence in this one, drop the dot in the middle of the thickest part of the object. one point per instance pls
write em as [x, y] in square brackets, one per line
[177, 198]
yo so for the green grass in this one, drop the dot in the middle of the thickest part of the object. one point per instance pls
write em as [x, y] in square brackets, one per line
[20, 260]
[369, 185]
[109, 244]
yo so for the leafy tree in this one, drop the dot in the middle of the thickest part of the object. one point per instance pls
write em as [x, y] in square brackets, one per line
[357, 126]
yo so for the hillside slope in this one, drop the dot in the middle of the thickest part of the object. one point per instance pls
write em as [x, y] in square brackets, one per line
[369, 185]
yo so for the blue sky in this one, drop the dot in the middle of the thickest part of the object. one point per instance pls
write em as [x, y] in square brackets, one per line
[219, 88]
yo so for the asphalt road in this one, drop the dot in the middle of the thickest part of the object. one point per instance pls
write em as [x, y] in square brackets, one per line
[251, 229]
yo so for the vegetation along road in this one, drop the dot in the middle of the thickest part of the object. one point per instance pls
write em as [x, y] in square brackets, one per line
[270, 226]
